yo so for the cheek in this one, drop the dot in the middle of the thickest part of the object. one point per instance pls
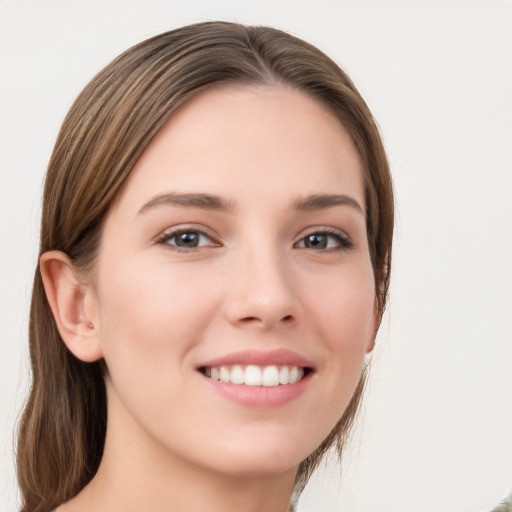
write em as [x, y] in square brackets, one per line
[341, 315]
[150, 311]
[345, 321]
[152, 316]
[345, 308]
[349, 318]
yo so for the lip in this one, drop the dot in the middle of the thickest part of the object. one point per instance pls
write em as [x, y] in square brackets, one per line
[260, 358]
[260, 397]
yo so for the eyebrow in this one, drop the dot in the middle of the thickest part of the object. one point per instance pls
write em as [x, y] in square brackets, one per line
[189, 200]
[322, 201]
[217, 203]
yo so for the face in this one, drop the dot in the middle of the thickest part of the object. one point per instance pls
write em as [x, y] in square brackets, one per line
[234, 294]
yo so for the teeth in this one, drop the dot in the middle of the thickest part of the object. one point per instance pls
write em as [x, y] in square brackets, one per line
[237, 375]
[284, 375]
[270, 376]
[251, 375]
[224, 374]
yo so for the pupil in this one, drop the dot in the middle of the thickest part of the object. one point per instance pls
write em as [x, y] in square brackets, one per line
[316, 241]
[187, 240]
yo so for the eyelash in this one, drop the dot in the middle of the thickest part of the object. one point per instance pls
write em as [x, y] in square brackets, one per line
[343, 241]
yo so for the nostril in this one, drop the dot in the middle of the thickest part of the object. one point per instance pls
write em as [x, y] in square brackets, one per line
[248, 319]
[256, 319]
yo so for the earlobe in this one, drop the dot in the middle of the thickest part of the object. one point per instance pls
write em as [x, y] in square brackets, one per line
[71, 305]
[374, 328]
[371, 344]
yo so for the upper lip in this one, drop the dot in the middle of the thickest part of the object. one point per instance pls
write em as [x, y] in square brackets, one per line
[278, 357]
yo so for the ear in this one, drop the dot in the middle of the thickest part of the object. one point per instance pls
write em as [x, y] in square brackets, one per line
[73, 305]
[377, 317]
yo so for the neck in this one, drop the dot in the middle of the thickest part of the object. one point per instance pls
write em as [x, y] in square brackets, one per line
[136, 476]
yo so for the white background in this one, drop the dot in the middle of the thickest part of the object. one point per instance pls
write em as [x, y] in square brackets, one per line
[436, 433]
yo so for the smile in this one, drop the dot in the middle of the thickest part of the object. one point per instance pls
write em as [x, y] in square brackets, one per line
[252, 375]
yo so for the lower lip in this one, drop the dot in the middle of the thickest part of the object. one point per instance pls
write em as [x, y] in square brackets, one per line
[259, 396]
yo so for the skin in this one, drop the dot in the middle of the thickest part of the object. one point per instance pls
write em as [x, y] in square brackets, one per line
[154, 313]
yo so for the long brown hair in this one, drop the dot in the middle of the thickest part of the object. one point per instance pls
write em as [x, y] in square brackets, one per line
[62, 430]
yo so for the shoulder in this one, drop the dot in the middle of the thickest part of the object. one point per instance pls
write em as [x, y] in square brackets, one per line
[504, 506]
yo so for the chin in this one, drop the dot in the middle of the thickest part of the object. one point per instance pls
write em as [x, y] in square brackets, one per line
[263, 457]
[257, 468]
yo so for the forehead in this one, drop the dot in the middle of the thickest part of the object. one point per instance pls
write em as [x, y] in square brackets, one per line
[249, 141]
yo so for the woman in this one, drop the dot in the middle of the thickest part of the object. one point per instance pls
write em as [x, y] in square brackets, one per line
[215, 256]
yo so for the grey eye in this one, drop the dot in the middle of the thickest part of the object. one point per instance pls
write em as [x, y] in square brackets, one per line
[324, 241]
[186, 239]
[189, 239]
[316, 241]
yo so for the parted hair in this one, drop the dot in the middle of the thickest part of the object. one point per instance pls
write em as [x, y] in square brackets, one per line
[62, 430]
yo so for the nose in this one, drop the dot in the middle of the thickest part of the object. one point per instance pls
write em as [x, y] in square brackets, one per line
[262, 292]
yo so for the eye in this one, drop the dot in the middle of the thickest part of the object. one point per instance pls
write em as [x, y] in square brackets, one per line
[186, 239]
[324, 241]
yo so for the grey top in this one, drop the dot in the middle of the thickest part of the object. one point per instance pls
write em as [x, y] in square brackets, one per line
[505, 505]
